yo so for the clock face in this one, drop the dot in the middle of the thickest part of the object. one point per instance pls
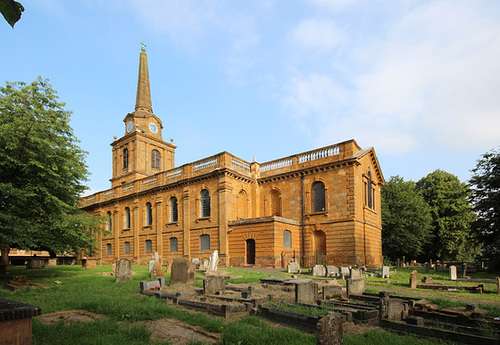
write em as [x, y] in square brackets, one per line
[130, 125]
[153, 128]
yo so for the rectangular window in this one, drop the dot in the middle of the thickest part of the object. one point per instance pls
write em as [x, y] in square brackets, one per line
[127, 247]
[205, 242]
[287, 239]
[149, 246]
[108, 249]
[173, 244]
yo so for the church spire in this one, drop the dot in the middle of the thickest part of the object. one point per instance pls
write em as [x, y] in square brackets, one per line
[143, 100]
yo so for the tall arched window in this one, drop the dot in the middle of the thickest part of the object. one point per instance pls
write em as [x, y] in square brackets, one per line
[109, 250]
[205, 242]
[318, 196]
[287, 239]
[149, 246]
[242, 204]
[149, 214]
[174, 214]
[173, 244]
[369, 192]
[126, 247]
[125, 158]
[204, 203]
[127, 218]
[155, 159]
[275, 203]
[109, 224]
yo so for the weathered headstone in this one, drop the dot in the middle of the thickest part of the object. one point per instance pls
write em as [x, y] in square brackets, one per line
[158, 270]
[332, 291]
[354, 273]
[36, 264]
[152, 265]
[123, 270]
[179, 271]
[413, 279]
[391, 308]
[213, 262]
[204, 264]
[306, 293]
[426, 268]
[329, 330]
[344, 270]
[191, 271]
[332, 271]
[464, 270]
[213, 285]
[319, 271]
[355, 286]
[453, 273]
[385, 272]
[293, 267]
[113, 269]
[52, 262]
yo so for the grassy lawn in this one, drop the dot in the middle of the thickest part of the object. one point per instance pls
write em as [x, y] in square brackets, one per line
[124, 307]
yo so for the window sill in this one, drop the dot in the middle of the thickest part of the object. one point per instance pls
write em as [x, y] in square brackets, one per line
[147, 227]
[203, 219]
[369, 209]
[173, 223]
[126, 229]
[325, 213]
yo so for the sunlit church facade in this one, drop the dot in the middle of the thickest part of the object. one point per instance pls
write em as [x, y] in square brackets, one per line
[320, 206]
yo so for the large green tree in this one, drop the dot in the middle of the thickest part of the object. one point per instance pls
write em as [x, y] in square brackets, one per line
[41, 173]
[452, 217]
[485, 184]
[406, 219]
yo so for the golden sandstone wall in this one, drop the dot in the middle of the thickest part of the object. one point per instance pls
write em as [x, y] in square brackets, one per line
[252, 202]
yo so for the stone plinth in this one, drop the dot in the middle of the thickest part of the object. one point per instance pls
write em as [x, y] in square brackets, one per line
[15, 322]
[306, 293]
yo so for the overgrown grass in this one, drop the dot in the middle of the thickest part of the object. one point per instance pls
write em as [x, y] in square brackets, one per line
[300, 309]
[379, 337]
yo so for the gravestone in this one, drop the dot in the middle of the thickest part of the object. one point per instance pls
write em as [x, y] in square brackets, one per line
[385, 272]
[355, 286]
[196, 261]
[204, 264]
[332, 291]
[391, 308]
[498, 285]
[354, 273]
[36, 264]
[329, 330]
[213, 262]
[214, 285]
[453, 273]
[113, 269]
[151, 265]
[319, 271]
[293, 267]
[344, 271]
[52, 262]
[123, 270]
[148, 286]
[413, 279]
[332, 271]
[89, 264]
[464, 271]
[191, 271]
[179, 272]
[426, 268]
[306, 293]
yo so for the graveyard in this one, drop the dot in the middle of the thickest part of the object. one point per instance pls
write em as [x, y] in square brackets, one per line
[193, 304]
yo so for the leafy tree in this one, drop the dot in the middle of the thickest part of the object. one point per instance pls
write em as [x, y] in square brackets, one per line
[11, 11]
[452, 217]
[41, 173]
[485, 184]
[406, 219]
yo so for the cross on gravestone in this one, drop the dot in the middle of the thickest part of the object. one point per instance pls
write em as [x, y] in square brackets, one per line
[329, 330]
[413, 279]
[453, 273]
[123, 270]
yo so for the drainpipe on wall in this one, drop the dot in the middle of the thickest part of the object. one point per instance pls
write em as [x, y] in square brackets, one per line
[302, 221]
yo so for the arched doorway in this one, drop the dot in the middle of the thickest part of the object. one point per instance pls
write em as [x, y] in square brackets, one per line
[320, 247]
[250, 252]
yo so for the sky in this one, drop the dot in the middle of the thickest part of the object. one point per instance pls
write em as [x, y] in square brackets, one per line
[417, 80]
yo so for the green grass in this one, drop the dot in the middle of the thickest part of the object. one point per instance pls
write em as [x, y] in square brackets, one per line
[300, 309]
[378, 337]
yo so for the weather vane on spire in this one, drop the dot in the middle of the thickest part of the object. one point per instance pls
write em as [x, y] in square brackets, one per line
[143, 48]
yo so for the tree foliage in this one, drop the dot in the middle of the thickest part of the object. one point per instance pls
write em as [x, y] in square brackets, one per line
[41, 173]
[406, 219]
[452, 217]
[11, 11]
[485, 184]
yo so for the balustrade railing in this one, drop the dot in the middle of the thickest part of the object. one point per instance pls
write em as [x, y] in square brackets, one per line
[206, 163]
[240, 165]
[318, 154]
[276, 164]
[173, 173]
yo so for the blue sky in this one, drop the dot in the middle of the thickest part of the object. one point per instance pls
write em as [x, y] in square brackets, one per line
[417, 80]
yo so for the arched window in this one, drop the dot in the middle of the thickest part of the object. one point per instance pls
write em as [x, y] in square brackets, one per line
[287, 239]
[149, 246]
[127, 218]
[125, 158]
[149, 214]
[109, 223]
[155, 159]
[369, 193]
[173, 244]
[126, 248]
[109, 250]
[174, 214]
[318, 196]
[242, 204]
[275, 203]
[204, 203]
[205, 242]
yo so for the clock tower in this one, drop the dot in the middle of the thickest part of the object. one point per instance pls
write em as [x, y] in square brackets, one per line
[141, 151]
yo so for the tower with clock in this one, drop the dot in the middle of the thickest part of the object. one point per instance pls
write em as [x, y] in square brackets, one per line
[141, 151]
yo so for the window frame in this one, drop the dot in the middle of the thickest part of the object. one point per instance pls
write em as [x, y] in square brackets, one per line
[203, 242]
[172, 241]
[174, 209]
[150, 243]
[149, 214]
[127, 218]
[155, 159]
[126, 247]
[125, 158]
[109, 249]
[318, 197]
[205, 208]
[287, 234]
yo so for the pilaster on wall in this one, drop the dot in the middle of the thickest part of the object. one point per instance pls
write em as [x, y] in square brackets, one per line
[158, 226]
[224, 207]
[135, 224]
[186, 223]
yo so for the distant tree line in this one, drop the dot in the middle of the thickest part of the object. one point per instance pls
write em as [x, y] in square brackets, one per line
[440, 217]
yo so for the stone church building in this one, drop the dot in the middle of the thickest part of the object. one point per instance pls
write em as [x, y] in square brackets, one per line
[320, 206]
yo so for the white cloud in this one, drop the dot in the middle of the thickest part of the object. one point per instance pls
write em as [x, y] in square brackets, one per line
[318, 35]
